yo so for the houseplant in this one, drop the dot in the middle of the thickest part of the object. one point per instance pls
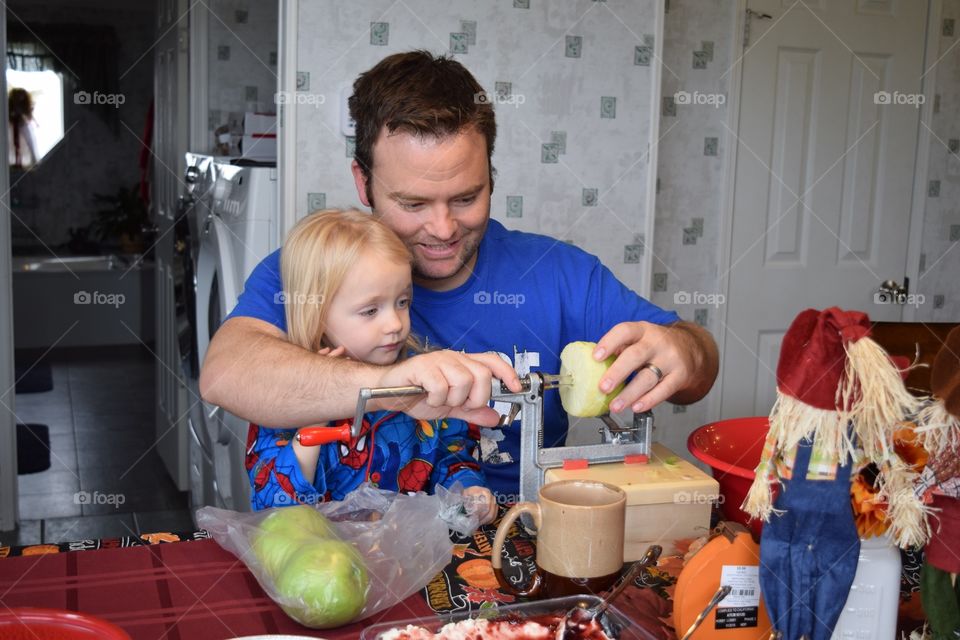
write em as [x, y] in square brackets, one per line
[122, 218]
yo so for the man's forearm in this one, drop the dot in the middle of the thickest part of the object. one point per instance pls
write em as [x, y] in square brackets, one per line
[705, 361]
[252, 371]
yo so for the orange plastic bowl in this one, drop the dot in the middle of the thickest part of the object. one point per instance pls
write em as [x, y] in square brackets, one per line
[732, 449]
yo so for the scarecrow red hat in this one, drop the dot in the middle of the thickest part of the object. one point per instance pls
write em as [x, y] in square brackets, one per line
[840, 389]
[813, 355]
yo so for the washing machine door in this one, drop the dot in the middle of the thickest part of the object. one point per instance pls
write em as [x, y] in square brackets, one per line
[218, 286]
[202, 479]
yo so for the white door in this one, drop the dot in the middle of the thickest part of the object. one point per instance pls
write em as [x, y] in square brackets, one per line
[170, 135]
[824, 174]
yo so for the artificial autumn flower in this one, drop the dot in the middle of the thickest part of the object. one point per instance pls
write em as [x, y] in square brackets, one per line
[869, 515]
[908, 447]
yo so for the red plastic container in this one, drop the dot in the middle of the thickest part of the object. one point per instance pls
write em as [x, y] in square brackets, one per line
[53, 624]
[732, 449]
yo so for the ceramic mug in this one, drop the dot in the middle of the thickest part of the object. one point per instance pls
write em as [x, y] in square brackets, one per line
[579, 539]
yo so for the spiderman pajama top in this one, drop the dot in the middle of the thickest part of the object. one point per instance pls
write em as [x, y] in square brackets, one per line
[394, 452]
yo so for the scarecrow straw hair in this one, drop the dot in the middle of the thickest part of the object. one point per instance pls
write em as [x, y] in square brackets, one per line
[799, 421]
[883, 401]
[938, 429]
[905, 511]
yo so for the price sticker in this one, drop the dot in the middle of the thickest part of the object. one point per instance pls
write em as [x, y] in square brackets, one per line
[741, 607]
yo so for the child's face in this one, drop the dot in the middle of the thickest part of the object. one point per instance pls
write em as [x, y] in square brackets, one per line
[370, 314]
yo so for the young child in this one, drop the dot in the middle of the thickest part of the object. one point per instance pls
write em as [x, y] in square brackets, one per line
[347, 285]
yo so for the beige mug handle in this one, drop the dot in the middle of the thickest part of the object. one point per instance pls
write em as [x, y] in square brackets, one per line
[536, 580]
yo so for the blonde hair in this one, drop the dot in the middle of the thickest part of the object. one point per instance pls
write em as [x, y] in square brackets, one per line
[319, 252]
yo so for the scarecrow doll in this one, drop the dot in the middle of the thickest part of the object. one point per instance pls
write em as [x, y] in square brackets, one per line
[839, 400]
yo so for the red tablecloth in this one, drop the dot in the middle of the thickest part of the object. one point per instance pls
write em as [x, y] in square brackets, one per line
[185, 590]
[170, 591]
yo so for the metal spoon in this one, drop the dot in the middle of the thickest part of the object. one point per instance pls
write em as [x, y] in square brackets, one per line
[579, 616]
[721, 593]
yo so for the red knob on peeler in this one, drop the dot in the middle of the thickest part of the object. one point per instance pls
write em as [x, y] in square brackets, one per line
[313, 436]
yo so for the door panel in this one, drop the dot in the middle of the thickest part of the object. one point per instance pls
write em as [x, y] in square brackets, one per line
[826, 146]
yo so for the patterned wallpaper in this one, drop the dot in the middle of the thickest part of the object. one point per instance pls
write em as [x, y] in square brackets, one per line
[940, 261]
[697, 54]
[242, 61]
[571, 81]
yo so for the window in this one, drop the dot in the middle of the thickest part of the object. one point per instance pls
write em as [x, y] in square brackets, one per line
[46, 90]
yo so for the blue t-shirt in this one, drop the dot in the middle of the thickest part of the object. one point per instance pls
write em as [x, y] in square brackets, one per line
[527, 298]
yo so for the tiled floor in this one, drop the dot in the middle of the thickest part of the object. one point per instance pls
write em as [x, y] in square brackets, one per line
[105, 477]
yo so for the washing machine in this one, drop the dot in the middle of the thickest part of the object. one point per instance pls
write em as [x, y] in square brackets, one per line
[239, 230]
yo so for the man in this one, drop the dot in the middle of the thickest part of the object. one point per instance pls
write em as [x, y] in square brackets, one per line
[424, 143]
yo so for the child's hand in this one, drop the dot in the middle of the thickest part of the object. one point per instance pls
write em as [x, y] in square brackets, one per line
[479, 501]
[333, 353]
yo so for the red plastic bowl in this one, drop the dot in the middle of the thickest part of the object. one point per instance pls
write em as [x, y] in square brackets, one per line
[732, 449]
[48, 624]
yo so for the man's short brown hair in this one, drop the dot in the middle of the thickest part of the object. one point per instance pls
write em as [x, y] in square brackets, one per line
[420, 94]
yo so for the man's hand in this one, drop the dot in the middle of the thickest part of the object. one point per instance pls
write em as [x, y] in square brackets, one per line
[457, 385]
[684, 352]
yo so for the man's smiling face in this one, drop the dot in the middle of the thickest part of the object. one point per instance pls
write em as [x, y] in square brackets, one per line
[435, 194]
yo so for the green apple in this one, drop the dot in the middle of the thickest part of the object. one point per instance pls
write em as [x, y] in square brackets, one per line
[580, 376]
[297, 519]
[326, 581]
[274, 549]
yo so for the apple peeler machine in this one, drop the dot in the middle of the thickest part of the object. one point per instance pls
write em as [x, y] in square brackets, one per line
[618, 443]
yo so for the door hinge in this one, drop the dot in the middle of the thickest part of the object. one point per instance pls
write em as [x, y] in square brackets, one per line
[750, 15]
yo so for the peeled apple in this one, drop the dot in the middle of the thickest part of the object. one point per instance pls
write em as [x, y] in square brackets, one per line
[580, 392]
[326, 582]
